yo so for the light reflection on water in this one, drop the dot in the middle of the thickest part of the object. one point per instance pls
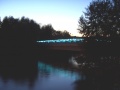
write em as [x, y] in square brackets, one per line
[58, 71]
[57, 78]
[26, 75]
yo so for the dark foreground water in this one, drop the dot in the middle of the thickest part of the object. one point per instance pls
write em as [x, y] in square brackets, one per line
[57, 71]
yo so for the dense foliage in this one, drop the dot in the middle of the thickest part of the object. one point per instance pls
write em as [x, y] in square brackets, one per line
[24, 32]
[102, 18]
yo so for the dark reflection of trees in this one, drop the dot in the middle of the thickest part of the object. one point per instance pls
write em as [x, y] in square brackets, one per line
[101, 70]
[100, 80]
[56, 58]
[18, 68]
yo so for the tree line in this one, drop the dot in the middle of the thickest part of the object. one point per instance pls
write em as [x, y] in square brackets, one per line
[24, 32]
[101, 19]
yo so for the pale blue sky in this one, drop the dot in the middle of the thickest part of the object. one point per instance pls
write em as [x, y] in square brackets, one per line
[62, 14]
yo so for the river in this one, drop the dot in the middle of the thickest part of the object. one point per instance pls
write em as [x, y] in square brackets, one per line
[56, 71]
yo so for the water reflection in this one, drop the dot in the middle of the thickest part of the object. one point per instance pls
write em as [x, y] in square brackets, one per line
[26, 73]
[17, 72]
[103, 81]
[58, 78]
[55, 72]
[58, 71]
[104, 75]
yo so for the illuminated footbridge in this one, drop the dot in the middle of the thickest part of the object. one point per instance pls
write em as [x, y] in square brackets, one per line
[73, 40]
[73, 44]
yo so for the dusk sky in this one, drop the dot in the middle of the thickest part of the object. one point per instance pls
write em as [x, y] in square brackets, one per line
[61, 14]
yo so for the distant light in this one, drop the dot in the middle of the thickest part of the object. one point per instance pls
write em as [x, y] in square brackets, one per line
[62, 40]
[118, 32]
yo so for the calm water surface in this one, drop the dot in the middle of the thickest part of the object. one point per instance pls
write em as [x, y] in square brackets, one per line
[56, 72]
[31, 73]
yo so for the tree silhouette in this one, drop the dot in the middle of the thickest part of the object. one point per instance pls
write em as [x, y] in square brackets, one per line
[101, 19]
[61, 34]
[0, 23]
[23, 32]
[47, 31]
[18, 32]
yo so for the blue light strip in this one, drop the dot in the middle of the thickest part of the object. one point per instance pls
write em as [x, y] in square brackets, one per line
[61, 40]
[58, 71]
